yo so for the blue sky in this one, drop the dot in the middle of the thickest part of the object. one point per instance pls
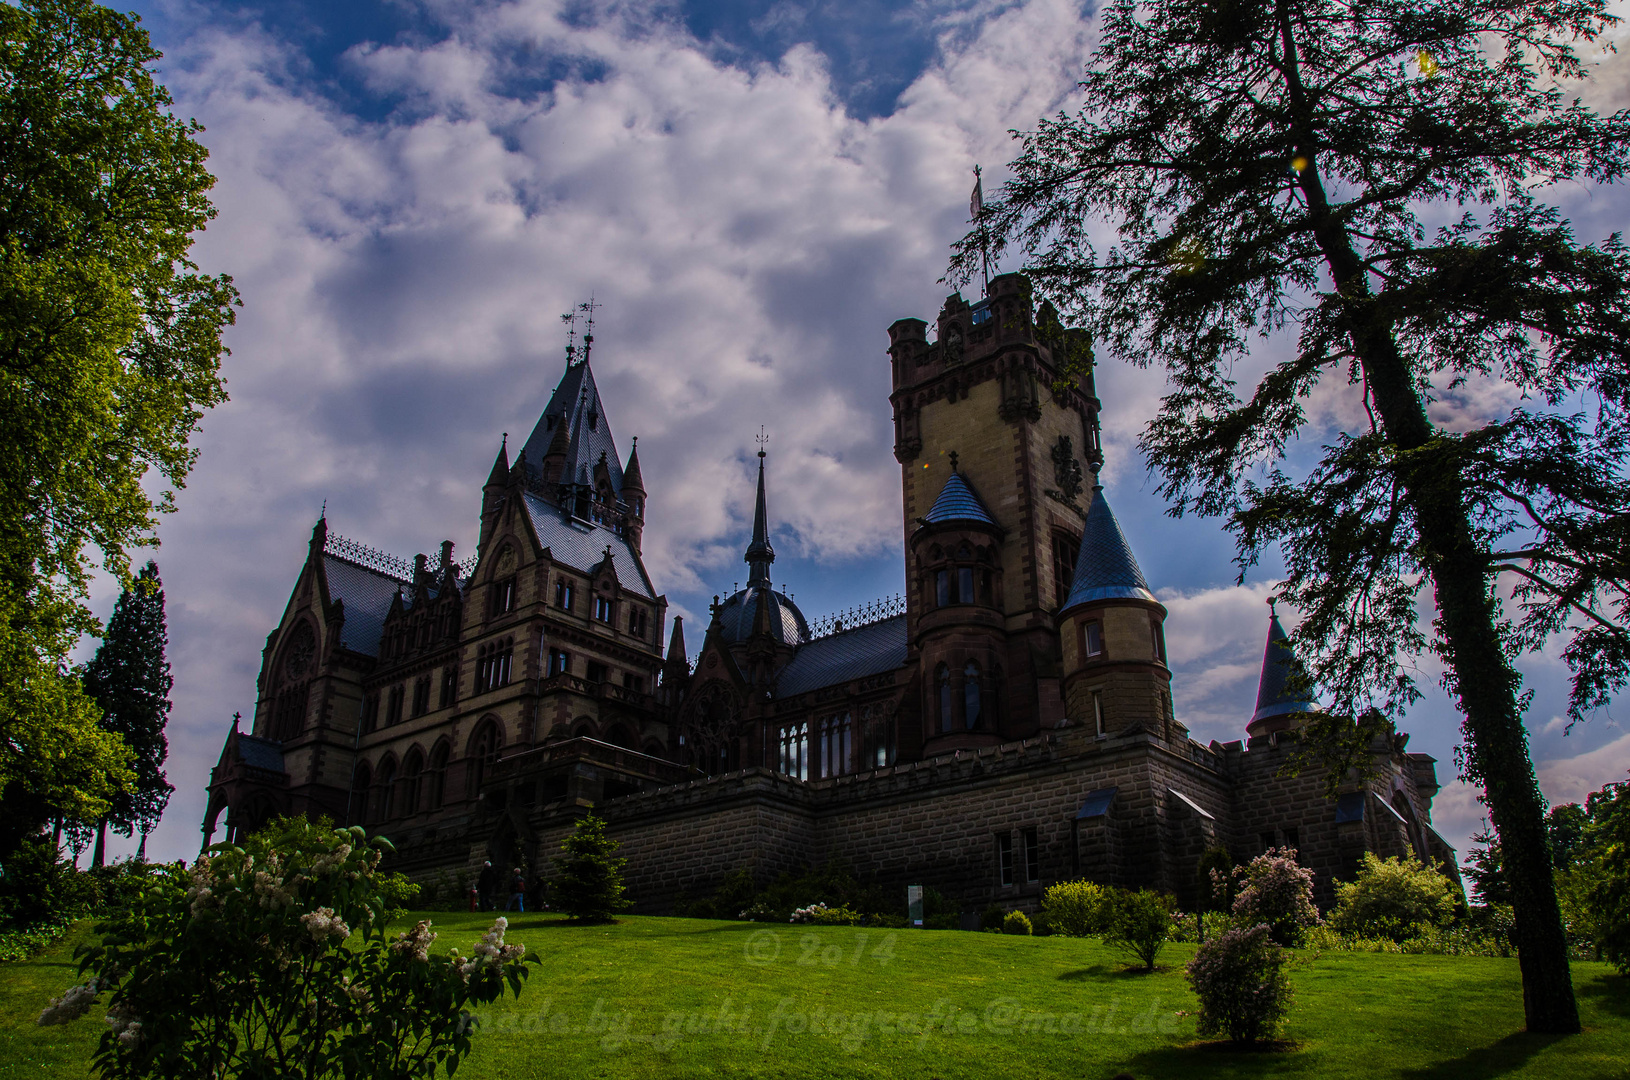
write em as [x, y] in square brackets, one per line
[412, 191]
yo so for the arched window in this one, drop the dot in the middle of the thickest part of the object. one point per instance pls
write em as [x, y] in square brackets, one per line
[942, 691]
[484, 749]
[436, 778]
[412, 771]
[971, 695]
[385, 790]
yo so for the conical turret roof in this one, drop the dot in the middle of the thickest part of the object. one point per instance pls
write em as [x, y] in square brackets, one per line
[1275, 695]
[958, 502]
[1105, 568]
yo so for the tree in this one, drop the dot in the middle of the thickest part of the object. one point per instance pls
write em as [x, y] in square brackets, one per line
[589, 881]
[110, 347]
[130, 680]
[1363, 172]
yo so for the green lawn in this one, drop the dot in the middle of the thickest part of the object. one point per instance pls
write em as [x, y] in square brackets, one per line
[657, 998]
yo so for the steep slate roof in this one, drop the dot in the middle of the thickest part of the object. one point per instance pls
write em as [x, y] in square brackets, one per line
[957, 502]
[582, 546]
[367, 595]
[1274, 696]
[1105, 568]
[576, 402]
[848, 654]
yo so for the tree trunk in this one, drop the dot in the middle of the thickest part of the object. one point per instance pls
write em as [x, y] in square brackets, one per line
[1483, 680]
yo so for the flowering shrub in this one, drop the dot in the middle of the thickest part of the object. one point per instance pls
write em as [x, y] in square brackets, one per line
[272, 959]
[1393, 898]
[1139, 923]
[1276, 891]
[1240, 980]
[1076, 908]
[1017, 922]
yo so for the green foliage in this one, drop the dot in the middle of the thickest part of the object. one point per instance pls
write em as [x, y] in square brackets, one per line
[588, 883]
[272, 959]
[1242, 984]
[1076, 908]
[112, 346]
[1393, 898]
[1276, 890]
[130, 681]
[1139, 924]
[1017, 922]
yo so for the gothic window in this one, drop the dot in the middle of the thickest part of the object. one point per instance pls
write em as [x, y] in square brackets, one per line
[970, 695]
[436, 777]
[412, 773]
[1092, 638]
[483, 752]
[602, 609]
[449, 686]
[795, 751]
[502, 596]
[1004, 858]
[421, 695]
[1065, 548]
[563, 594]
[560, 663]
[942, 692]
[385, 790]
[393, 706]
[835, 745]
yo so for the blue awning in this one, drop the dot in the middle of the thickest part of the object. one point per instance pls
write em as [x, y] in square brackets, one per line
[1097, 803]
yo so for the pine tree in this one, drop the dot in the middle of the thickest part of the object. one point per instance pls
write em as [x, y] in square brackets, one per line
[589, 885]
[1362, 176]
[130, 680]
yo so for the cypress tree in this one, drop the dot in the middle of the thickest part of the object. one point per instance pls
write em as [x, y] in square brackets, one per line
[130, 680]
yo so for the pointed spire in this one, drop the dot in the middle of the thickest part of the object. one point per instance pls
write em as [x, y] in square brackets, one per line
[1105, 568]
[500, 465]
[632, 480]
[1275, 695]
[759, 553]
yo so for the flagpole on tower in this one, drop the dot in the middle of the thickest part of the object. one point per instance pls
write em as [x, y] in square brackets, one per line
[976, 208]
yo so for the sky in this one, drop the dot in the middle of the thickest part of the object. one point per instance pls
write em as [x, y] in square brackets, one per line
[411, 192]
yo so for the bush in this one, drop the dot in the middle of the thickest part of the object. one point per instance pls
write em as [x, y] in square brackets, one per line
[1076, 908]
[1276, 891]
[1139, 924]
[589, 883]
[1393, 898]
[1017, 922]
[1240, 980]
[272, 959]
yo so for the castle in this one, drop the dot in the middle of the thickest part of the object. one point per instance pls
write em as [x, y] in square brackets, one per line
[1006, 724]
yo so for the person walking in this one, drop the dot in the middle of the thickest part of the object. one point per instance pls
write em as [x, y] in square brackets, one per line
[517, 892]
[485, 883]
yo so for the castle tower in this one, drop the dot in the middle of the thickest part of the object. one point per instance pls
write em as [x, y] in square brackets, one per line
[961, 634]
[1281, 693]
[1113, 635]
[992, 387]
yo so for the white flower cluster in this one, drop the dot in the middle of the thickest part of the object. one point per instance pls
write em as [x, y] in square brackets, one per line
[323, 924]
[490, 950]
[416, 941]
[807, 914]
[72, 1005]
[121, 1019]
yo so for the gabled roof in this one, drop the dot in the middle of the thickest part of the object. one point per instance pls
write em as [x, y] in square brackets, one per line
[1104, 567]
[582, 545]
[957, 502]
[367, 595]
[850, 654]
[576, 403]
[1274, 696]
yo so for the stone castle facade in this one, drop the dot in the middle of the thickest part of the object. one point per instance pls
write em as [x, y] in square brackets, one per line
[1006, 724]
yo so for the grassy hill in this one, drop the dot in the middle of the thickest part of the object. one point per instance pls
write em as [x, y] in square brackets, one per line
[659, 998]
